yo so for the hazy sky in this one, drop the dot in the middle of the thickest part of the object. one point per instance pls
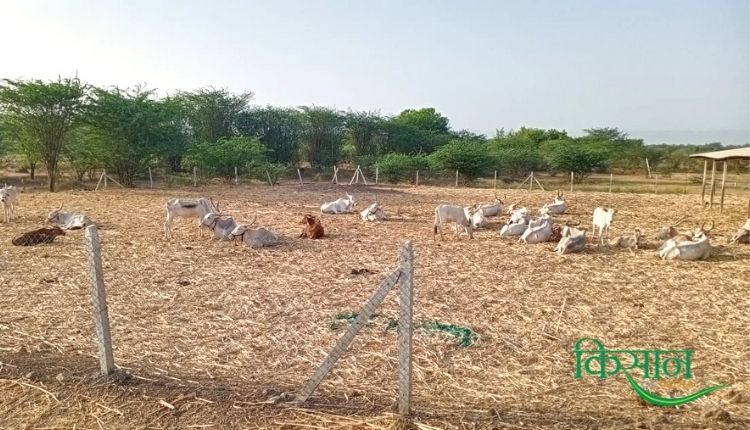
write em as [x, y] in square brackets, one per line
[638, 65]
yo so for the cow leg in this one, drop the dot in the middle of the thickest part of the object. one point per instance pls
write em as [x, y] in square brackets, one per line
[168, 226]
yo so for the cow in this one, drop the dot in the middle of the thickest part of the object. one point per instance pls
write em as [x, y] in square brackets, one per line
[688, 236]
[742, 235]
[491, 209]
[602, 219]
[573, 240]
[38, 236]
[669, 231]
[188, 208]
[313, 229]
[541, 232]
[8, 197]
[518, 214]
[68, 220]
[374, 212]
[445, 213]
[478, 219]
[339, 206]
[698, 249]
[255, 237]
[558, 207]
[221, 225]
[631, 241]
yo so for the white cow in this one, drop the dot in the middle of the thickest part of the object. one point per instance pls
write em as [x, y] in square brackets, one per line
[451, 213]
[743, 234]
[602, 219]
[339, 206]
[558, 207]
[573, 240]
[698, 249]
[374, 212]
[519, 215]
[255, 237]
[69, 220]
[478, 218]
[8, 197]
[222, 226]
[538, 233]
[188, 208]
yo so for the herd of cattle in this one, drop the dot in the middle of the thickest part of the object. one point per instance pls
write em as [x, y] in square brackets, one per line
[677, 245]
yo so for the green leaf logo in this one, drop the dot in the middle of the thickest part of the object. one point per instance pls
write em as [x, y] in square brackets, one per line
[669, 401]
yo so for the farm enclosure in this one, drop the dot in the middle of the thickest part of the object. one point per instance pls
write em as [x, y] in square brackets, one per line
[215, 330]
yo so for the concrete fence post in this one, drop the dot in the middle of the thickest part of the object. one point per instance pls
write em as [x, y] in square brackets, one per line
[99, 300]
[405, 329]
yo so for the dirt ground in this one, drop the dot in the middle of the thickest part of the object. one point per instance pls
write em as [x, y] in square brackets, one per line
[206, 332]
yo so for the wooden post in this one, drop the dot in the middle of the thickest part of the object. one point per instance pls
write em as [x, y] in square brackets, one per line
[268, 175]
[656, 183]
[648, 167]
[299, 175]
[105, 179]
[713, 183]
[405, 329]
[236, 177]
[610, 182]
[703, 186]
[571, 182]
[101, 178]
[99, 300]
[195, 176]
[531, 180]
[723, 182]
[416, 183]
[456, 178]
[150, 178]
[376, 174]
[494, 187]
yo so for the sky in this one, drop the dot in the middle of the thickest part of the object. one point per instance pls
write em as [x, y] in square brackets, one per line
[677, 71]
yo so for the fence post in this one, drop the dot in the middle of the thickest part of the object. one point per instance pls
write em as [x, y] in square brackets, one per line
[723, 182]
[105, 179]
[268, 175]
[405, 329]
[686, 183]
[610, 182]
[376, 174]
[99, 300]
[456, 178]
[494, 187]
[299, 174]
[150, 178]
[531, 180]
[571, 182]
[416, 184]
[195, 176]
[236, 177]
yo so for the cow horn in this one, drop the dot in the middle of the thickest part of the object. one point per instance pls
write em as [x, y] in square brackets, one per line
[253, 221]
[679, 221]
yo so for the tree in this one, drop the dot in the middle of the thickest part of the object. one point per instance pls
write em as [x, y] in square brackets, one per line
[41, 113]
[416, 131]
[218, 159]
[576, 157]
[470, 158]
[133, 127]
[83, 150]
[366, 132]
[323, 135]
[213, 114]
[395, 167]
[278, 129]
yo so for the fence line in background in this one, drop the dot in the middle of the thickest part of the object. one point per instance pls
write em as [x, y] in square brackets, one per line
[99, 300]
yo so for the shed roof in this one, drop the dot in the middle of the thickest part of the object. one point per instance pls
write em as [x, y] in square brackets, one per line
[727, 154]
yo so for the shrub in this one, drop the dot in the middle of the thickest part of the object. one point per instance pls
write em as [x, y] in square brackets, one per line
[395, 167]
[219, 159]
[470, 158]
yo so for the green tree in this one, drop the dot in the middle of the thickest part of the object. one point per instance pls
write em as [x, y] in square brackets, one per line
[365, 132]
[213, 114]
[470, 158]
[218, 159]
[579, 158]
[416, 131]
[83, 150]
[133, 127]
[396, 167]
[279, 129]
[41, 113]
[323, 135]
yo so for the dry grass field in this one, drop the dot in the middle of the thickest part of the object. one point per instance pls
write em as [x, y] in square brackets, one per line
[215, 330]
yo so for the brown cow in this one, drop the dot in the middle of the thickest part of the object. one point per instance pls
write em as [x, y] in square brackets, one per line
[39, 236]
[313, 229]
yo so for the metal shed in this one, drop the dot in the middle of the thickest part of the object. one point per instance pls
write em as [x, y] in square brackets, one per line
[725, 155]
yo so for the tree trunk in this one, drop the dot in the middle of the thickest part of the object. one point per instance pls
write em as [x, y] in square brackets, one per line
[32, 171]
[51, 178]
